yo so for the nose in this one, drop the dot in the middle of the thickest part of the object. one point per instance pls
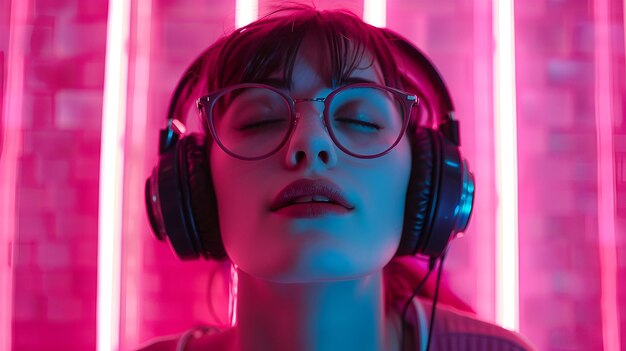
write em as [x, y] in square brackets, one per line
[310, 145]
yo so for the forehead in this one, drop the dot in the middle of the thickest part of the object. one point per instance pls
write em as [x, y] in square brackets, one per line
[315, 66]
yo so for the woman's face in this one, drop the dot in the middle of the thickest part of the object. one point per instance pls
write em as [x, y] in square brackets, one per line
[312, 241]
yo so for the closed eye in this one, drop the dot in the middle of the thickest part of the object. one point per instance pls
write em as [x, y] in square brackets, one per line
[264, 124]
[360, 124]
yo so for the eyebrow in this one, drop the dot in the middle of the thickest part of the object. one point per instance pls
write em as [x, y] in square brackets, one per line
[282, 83]
[354, 80]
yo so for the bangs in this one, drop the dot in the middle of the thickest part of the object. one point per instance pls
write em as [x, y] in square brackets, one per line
[271, 44]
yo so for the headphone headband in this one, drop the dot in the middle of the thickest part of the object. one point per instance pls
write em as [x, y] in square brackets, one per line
[433, 73]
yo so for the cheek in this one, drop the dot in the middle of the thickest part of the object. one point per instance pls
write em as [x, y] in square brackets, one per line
[234, 198]
[383, 189]
[243, 199]
[387, 180]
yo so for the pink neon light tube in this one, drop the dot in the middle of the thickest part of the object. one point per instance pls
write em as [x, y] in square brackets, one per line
[246, 11]
[606, 178]
[10, 150]
[375, 12]
[507, 261]
[111, 171]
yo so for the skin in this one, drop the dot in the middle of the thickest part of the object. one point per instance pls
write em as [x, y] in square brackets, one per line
[312, 283]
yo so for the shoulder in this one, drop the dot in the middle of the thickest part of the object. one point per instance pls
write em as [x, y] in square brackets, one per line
[456, 330]
[197, 338]
[163, 343]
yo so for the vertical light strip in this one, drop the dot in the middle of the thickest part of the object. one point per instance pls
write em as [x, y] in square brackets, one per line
[375, 12]
[507, 293]
[483, 246]
[619, 116]
[133, 220]
[111, 172]
[10, 151]
[246, 11]
[606, 177]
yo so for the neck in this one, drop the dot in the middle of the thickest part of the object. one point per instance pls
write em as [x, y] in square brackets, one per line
[338, 315]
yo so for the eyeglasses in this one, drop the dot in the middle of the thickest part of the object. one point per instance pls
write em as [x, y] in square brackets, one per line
[253, 121]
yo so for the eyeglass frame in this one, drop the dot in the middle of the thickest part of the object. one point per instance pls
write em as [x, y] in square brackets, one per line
[207, 103]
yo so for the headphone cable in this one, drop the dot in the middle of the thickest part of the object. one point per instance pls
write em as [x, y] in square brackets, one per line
[432, 313]
[431, 265]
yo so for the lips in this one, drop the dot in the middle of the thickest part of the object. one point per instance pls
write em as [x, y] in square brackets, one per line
[318, 192]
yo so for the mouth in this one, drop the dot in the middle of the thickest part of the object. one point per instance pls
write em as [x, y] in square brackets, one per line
[311, 198]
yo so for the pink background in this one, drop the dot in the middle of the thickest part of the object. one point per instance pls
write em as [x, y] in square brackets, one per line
[56, 209]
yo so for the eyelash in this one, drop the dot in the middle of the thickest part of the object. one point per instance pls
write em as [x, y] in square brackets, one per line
[359, 123]
[257, 125]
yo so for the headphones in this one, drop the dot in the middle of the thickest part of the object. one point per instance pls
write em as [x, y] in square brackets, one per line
[182, 207]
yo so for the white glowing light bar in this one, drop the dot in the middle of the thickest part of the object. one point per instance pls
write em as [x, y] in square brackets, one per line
[246, 11]
[606, 178]
[111, 172]
[232, 295]
[375, 12]
[507, 280]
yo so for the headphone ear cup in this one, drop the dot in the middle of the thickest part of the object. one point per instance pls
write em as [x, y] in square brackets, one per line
[439, 197]
[420, 193]
[165, 204]
[199, 193]
[180, 201]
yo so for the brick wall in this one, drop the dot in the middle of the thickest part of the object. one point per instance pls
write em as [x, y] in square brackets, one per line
[559, 248]
[57, 194]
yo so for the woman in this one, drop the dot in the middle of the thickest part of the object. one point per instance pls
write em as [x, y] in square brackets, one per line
[330, 158]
